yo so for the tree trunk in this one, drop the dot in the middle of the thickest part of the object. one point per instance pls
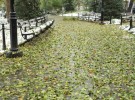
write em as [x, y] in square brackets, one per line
[7, 9]
[130, 5]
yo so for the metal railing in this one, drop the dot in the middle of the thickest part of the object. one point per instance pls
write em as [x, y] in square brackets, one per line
[2, 30]
[129, 19]
[27, 25]
[89, 17]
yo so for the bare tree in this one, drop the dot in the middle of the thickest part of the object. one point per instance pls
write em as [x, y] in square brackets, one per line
[7, 9]
[130, 5]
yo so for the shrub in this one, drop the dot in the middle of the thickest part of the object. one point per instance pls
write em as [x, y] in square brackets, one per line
[69, 18]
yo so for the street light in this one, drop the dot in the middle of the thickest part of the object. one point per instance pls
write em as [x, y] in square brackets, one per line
[13, 28]
[13, 33]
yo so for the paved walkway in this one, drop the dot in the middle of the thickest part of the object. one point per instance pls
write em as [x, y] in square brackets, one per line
[76, 61]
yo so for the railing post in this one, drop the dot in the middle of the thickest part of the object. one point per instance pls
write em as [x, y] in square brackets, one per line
[121, 19]
[44, 19]
[95, 17]
[25, 29]
[110, 18]
[131, 23]
[29, 22]
[36, 23]
[78, 15]
[41, 20]
[89, 18]
[3, 37]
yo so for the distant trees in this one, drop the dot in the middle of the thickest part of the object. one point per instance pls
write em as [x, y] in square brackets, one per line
[27, 9]
[49, 5]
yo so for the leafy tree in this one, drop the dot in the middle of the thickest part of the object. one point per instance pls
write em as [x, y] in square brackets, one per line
[77, 3]
[46, 5]
[1, 2]
[114, 7]
[27, 9]
[49, 5]
[95, 5]
[87, 4]
[57, 3]
[69, 5]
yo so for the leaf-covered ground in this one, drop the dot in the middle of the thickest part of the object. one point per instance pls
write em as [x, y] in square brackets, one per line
[76, 61]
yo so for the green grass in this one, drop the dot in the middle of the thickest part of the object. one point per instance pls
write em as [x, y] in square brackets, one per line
[76, 61]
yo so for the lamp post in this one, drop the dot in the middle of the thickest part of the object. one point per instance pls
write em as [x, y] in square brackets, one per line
[13, 33]
[102, 12]
[13, 28]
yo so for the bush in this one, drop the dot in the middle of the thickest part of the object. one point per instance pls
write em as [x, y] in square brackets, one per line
[69, 19]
